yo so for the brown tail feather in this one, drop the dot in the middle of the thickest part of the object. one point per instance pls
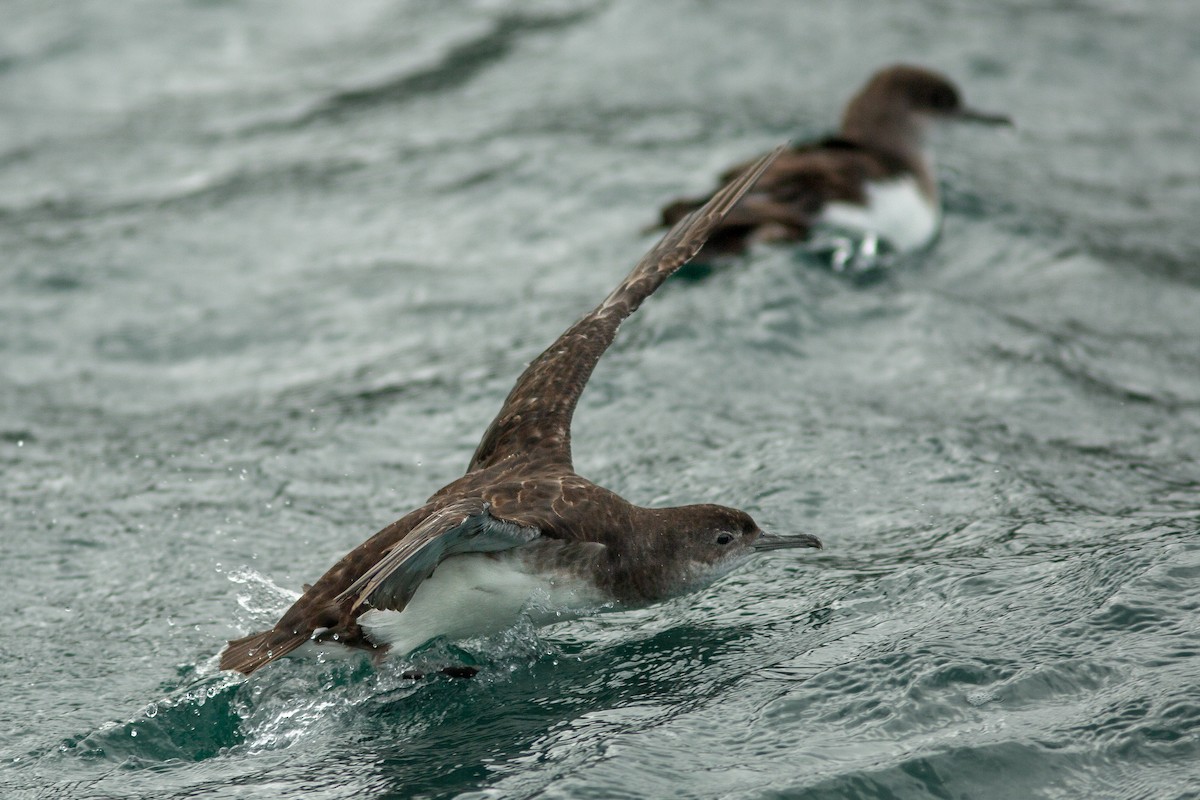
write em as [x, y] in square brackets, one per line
[259, 649]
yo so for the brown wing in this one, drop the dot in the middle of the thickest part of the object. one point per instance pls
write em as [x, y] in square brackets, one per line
[463, 527]
[536, 417]
[419, 542]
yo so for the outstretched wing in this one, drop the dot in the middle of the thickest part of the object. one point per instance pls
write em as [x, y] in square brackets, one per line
[536, 417]
[462, 527]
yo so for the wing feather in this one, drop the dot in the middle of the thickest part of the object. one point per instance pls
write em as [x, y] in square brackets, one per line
[536, 417]
[466, 526]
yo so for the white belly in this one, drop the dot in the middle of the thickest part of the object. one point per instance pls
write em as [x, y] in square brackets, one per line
[896, 211]
[475, 595]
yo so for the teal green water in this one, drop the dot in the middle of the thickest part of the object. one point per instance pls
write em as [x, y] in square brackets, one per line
[269, 269]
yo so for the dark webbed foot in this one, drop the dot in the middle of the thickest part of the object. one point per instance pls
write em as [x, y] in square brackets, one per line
[460, 672]
[453, 672]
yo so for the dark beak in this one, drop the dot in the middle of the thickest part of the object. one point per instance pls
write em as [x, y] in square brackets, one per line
[767, 541]
[981, 117]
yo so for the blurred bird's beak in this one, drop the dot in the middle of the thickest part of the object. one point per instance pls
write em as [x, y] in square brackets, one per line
[982, 117]
[767, 541]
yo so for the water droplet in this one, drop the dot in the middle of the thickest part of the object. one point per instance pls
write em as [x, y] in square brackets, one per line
[152, 710]
[133, 733]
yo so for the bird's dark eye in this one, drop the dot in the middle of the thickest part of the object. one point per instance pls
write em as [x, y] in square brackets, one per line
[725, 538]
[944, 98]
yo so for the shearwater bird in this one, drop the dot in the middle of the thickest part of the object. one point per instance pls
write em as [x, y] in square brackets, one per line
[874, 177]
[521, 533]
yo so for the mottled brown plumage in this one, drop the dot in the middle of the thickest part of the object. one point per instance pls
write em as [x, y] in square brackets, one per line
[881, 139]
[521, 494]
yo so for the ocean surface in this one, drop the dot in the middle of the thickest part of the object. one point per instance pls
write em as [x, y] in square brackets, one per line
[268, 270]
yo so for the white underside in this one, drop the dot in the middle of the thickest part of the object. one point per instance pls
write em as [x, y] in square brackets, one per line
[474, 595]
[896, 211]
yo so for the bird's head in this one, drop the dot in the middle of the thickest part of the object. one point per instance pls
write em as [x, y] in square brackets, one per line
[701, 543]
[902, 101]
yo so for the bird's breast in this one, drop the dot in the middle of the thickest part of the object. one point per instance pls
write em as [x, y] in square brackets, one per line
[896, 210]
[478, 594]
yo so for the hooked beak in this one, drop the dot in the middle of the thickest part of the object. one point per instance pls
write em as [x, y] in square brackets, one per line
[982, 117]
[768, 541]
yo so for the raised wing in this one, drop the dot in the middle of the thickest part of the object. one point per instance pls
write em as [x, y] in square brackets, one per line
[462, 527]
[536, 417]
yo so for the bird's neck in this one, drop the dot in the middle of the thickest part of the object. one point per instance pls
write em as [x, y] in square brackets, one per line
[648, 567]
[894, 132]
[877, 120]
